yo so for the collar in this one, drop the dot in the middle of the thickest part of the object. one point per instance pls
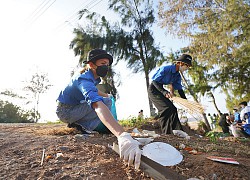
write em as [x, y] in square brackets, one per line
[173, 68]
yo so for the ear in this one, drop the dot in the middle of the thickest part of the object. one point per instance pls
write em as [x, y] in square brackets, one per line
[91, 65]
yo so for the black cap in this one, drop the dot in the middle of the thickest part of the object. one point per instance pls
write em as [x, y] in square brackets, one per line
[96, 54]
[185, 58]
[243, 103]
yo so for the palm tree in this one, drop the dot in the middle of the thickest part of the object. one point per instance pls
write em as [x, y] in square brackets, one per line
[135, 46]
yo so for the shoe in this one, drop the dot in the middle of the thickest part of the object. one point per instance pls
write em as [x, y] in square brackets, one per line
[78, 127]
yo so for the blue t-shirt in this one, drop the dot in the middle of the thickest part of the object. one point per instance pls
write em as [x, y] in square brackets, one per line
[168, 75]
[81, 87]
[237, 117]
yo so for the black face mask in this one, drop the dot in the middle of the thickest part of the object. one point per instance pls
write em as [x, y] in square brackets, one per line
[102, 71]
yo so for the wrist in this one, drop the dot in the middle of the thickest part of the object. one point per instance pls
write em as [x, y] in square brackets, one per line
[123, 134]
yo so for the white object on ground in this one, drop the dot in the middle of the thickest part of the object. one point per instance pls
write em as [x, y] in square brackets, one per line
[223, 159]
[162, 153]
[135, 130]
[144, 141]
[181, 133]
[150, 133]
[144, 133]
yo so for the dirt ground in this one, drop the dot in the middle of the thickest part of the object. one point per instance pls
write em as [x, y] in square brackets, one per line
[68, 155]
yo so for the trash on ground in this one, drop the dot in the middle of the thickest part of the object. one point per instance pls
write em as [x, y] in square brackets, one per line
[144, 133]
[194, 152]
[144, 141]
[181, 133]
[223, 159]
[182, 146]
[162, 153]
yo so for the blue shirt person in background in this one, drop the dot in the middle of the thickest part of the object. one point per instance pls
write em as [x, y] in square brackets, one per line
[168, 75]
[236, 116]
[81, 104]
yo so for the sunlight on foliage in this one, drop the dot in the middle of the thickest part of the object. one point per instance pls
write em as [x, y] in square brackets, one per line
[133, 121]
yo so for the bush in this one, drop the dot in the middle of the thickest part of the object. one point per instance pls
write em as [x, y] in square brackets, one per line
[133, 122]
[10, 113]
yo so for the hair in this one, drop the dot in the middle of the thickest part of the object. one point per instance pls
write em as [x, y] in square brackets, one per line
[243, 103]
[84, 69]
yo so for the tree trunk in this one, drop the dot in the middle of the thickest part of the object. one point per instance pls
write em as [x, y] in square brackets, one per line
[151, 108]
[215, 105]
[192, 94]
[36, 110]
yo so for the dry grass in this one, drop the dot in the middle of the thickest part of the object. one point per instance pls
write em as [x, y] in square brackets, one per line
[57, 131]
[192, 107]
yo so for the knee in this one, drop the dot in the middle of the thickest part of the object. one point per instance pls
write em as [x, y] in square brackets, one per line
[170, 109]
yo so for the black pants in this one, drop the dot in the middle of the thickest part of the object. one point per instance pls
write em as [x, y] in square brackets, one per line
[168, 115]
[223, 124]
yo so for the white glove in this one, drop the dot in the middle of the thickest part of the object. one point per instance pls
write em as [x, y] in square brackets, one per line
[129, 149]
[181, 133]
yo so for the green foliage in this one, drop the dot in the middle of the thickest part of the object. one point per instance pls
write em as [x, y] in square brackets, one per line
[133, 122]
[55, 122]
[10, 113]
[131, 40]
[219, 33]
[214, 136]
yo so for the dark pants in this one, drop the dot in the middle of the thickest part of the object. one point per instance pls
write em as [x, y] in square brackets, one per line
[168, 115]
[223, 124]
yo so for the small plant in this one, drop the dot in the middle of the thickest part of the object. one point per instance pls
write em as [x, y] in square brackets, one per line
[214, 136]
[133, 122]
[55, 122]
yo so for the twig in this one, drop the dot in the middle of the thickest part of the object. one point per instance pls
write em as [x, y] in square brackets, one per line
[43, 156]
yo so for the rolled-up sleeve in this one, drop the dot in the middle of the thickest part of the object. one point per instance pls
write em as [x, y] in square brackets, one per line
[89, 91]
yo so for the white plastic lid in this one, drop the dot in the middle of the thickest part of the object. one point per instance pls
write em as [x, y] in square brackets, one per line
[162, 153]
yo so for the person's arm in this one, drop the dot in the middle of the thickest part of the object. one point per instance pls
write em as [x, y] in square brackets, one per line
[107, 118]
[182, 94]
[128, 147]
[160, 88]
[171, 88]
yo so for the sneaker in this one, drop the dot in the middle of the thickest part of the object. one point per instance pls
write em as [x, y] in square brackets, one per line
[78, 127]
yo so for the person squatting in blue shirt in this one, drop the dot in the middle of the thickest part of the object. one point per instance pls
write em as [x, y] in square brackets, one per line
[80, 103]
[168, 75]
[236, 116]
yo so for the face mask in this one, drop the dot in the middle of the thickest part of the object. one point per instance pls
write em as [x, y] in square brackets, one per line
[102, 70]
[183, 68]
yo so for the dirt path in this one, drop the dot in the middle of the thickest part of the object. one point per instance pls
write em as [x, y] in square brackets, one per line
[72, 156]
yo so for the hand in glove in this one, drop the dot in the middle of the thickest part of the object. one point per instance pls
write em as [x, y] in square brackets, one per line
[181, 133]
[129, 149]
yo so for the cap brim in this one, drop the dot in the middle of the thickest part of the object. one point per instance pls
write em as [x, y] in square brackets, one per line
[102, 56]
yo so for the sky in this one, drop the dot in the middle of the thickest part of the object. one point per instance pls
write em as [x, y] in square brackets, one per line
[35, 34]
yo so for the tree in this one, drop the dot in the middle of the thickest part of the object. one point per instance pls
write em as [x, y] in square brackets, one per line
[136, 45]
[37, 85]
[10, 113]
[219, 34]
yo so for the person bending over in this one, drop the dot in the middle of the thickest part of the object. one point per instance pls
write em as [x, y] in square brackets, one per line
[81, 104]
[160, 97]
